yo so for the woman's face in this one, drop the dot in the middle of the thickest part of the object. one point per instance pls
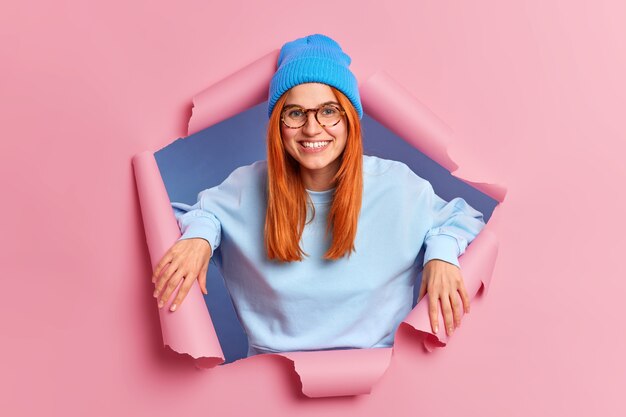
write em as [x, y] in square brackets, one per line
[319, 160]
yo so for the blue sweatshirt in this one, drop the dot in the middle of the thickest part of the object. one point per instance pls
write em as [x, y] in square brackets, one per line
[317, 304]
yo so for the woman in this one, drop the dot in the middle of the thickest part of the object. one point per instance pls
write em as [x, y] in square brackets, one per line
[317, 245]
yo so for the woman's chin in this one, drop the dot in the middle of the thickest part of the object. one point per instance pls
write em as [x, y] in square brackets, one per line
[313, 164]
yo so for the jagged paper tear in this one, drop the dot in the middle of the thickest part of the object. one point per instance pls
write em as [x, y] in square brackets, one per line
[326, 373]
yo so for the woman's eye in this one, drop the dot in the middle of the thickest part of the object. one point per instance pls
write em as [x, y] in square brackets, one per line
[295, 113]
[329, 111]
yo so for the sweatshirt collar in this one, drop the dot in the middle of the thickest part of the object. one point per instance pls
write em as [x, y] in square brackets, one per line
[318, 197]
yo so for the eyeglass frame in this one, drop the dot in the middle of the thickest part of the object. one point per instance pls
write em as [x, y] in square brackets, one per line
[306, 114]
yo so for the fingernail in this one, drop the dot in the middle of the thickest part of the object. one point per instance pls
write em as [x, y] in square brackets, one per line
[173, 307]
[155, 293]
[160, 304]
[450, 330]
[436, 328]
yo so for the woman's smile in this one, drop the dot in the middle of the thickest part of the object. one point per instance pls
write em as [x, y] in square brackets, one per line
[308, 146]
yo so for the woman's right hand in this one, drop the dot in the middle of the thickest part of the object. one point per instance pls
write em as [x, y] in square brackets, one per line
[187, 259]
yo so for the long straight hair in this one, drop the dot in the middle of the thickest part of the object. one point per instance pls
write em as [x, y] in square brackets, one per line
[287, 197]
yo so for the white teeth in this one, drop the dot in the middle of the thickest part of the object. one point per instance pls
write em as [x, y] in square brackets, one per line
[314, 144]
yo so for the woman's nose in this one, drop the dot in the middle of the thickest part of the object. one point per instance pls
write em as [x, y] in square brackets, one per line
[311, 127]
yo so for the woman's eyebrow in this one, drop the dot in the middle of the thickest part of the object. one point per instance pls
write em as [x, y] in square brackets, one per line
[298, 105]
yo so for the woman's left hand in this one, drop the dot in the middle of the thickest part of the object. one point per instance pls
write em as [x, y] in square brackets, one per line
[443, 280]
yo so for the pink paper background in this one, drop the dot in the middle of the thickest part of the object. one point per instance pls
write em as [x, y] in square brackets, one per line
[534, 91]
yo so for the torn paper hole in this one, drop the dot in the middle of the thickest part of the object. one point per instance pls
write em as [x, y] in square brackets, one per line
[191, 329]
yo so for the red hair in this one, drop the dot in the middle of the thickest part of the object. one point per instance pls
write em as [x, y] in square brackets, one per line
[287, 197]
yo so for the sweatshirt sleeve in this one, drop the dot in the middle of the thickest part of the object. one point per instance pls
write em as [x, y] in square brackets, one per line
[224, 201]
[196, 221]
[454, 225]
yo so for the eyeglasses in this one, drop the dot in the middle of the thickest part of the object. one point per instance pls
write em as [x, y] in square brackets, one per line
[327, 115]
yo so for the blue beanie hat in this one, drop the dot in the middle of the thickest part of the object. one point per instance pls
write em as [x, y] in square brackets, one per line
[314, 58]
